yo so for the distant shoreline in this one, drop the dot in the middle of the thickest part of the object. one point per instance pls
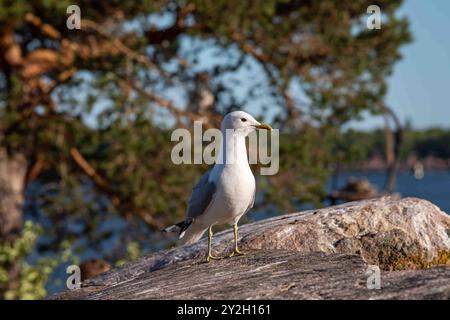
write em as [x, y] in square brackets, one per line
[377, 163]
[383, 170]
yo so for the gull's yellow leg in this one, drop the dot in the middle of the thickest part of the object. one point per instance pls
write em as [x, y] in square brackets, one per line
[236, 251]
[210, 256]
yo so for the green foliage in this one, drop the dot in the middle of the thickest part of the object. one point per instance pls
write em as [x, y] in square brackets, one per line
[133, 252]
[353, 147]
[429, 142]
[304, 169]
[322, 47]
[32, 278]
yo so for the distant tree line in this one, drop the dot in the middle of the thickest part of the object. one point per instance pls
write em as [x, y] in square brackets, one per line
[354, 146]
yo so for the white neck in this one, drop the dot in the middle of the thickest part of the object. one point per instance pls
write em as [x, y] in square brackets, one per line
[232, 149]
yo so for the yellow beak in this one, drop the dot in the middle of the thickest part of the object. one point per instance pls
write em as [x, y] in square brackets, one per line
[264, 126]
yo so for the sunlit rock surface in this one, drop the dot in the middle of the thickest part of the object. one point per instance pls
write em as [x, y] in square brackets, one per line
[326, 253]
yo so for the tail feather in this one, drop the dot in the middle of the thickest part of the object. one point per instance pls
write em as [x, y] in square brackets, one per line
[188, 232]
[179, 227]
[193, 233]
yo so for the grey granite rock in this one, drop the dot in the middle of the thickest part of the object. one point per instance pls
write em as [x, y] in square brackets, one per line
[316, 254]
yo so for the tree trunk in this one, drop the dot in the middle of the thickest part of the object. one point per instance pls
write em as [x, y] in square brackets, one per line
[393, 146]
[12, 185]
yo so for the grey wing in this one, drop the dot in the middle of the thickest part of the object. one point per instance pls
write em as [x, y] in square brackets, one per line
[201, 197]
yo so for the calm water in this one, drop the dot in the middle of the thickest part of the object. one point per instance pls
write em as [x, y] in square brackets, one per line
[434, 186]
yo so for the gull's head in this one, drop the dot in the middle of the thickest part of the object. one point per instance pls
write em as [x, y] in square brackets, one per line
[242, 123]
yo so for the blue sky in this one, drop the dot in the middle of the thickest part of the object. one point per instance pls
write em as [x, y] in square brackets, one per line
[420, 85]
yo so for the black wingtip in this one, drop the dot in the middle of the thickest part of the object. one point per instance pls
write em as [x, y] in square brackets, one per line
[179, 227]
[183, 227]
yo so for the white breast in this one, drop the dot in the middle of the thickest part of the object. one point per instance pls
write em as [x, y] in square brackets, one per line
[234, 194]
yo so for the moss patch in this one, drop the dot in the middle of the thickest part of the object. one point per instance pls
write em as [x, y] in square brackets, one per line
[415, 262]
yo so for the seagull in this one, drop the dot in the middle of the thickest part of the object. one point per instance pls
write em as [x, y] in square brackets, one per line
[227, 191]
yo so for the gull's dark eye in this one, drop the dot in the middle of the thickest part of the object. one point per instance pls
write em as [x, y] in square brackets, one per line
[243, 119]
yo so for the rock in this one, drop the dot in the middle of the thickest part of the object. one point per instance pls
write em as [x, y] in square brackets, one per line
[315, 254]
[355, 189]
[93, 267]
[384, 231]
[274, 274]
